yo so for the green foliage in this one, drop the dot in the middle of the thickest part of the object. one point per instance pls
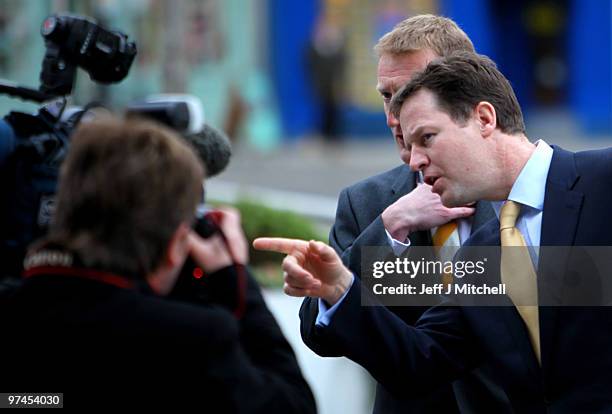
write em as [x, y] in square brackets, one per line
[259, 220]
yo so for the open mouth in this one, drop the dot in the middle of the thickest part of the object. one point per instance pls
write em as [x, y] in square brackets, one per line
[431, 179]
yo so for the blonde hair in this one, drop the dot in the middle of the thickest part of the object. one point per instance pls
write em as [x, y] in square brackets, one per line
[425, 31]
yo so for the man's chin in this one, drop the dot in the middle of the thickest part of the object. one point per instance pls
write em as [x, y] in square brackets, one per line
[447, 200]
[450, 200]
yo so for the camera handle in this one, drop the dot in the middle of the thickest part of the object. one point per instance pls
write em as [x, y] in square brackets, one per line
[22, 92]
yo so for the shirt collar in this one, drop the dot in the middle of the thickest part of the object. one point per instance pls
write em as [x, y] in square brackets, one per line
[530, 186]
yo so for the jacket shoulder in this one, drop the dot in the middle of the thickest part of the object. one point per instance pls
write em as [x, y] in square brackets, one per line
[384, 180]
[595, 162]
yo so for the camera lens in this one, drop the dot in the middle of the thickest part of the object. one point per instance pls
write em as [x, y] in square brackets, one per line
[48, 26]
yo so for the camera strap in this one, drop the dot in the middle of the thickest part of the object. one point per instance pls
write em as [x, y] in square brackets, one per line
[241, 276]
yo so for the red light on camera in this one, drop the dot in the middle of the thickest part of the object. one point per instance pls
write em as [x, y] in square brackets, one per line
[198, 273]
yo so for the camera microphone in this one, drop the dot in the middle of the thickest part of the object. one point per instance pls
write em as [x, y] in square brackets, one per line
[184, 114]
[213, 148]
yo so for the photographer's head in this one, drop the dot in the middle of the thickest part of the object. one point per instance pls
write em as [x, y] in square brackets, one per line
[126, 198]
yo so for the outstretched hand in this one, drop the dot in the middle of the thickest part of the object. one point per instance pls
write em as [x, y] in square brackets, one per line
[311, 268]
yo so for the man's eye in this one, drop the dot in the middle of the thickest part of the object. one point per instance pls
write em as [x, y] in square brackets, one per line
[403, 144]
[427, 137]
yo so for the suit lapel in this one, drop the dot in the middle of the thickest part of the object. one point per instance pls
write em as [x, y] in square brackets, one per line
[561, 203]
[484, 213]
[562, 207]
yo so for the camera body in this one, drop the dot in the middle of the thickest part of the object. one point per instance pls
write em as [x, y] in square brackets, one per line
[74, 41]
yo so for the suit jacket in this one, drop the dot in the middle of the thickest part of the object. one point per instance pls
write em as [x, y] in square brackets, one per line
[102, 345]
[358, 223]
[448, 340]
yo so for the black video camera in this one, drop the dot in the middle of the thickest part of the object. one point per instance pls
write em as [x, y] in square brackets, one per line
[33, 146]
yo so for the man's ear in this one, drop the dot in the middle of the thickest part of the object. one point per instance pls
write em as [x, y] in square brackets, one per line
[163, 278]
[178, 247]
[486, 117]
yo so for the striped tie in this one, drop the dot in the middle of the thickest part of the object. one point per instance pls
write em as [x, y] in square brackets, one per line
[517, 272]
[444, 237]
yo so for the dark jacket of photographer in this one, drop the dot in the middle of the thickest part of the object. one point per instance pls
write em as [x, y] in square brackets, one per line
[101, 340]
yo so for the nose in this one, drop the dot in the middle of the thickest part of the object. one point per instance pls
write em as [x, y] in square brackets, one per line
[392, 121]
[418, 159]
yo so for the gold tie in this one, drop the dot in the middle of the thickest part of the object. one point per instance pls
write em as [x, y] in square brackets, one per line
[518, 274]
[444, 236]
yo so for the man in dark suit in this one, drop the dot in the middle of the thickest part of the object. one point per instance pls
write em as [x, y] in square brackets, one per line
[91, 320]
[464, 128]
[393, 208]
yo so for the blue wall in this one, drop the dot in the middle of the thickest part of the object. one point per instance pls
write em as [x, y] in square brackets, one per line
[497, 30]
[590, 60]
[474, 17]
[291, 23]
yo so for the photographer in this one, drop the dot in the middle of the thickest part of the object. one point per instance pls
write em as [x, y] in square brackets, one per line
[91, 321]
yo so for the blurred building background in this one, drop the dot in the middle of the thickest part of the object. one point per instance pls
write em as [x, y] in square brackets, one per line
[267, 70]
[248, 60]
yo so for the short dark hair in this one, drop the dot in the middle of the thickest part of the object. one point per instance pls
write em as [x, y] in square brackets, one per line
[460, 81]
[124, 189]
